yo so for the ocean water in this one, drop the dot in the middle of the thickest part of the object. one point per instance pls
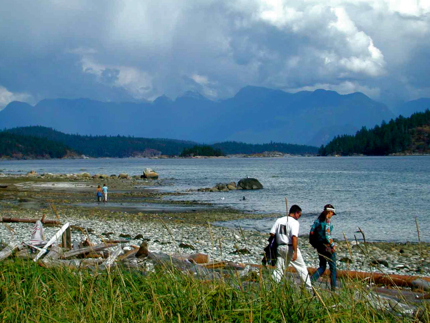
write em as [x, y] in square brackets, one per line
[384, 196]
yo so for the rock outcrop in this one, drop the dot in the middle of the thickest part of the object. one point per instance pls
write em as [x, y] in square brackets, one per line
[150, 174]
[249, 184]
[243, 184]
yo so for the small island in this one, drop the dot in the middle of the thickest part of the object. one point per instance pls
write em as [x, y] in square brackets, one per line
[204, 150]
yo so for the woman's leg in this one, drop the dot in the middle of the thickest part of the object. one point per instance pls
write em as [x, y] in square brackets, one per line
[332, 266]
[323, 265]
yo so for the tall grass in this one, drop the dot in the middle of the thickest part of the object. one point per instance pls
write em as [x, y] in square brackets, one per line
[29, 293]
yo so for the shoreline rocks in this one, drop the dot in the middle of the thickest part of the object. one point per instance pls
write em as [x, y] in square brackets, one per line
[243, 184]
[150, 174]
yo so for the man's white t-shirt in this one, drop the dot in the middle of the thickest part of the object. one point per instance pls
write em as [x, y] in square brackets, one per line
[284, 229]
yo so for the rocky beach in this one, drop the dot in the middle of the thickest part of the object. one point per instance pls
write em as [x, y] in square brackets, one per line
[136, 212]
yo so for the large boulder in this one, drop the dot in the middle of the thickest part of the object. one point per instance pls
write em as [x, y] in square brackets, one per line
[123, 176]
[149, 173]
[231, 186]
[249, 184]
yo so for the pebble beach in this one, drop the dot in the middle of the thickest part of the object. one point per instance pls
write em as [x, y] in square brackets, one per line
[173, 227]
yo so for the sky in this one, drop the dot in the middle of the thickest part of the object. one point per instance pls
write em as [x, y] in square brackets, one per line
[138, 50]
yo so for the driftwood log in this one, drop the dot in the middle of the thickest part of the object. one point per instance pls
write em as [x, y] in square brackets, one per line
[99, 247]
[19, 220]
[10, 248]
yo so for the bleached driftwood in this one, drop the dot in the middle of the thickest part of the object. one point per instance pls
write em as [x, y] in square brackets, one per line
[10, 248]
[51, 241]
[128, 254]
[73, 253]
[116, 252]
[54, 253]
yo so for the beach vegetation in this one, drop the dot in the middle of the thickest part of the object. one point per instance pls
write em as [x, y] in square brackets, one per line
[30, 293]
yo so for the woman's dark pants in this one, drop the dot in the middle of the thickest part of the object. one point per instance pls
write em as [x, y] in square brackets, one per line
[325, 256]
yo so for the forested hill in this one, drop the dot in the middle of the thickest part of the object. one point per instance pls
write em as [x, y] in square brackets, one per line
[400, 136]
[123, 146]
[108, 146]
[30, 147]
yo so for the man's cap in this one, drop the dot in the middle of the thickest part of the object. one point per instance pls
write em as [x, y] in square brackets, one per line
[329, 207]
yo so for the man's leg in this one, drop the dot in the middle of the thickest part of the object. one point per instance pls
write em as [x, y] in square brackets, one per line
[302, 270]
[279, 271]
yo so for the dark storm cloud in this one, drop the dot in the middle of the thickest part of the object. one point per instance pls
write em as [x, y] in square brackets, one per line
[136, 50]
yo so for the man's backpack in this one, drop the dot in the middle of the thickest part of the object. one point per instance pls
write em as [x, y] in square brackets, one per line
[270, 252]
[316, 236]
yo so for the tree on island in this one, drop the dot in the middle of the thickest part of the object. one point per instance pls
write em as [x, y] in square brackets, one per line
[204, 150]
[402, 135]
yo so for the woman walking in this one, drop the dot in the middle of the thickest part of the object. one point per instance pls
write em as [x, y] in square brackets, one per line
[322, 229]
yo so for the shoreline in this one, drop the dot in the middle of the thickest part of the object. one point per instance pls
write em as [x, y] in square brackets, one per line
[240, 156]
[179, 232]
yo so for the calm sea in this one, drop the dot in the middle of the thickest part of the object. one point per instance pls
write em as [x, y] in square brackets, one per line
[381, 195]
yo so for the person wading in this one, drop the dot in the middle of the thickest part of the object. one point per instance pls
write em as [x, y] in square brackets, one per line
[320, 238]
[286, 231]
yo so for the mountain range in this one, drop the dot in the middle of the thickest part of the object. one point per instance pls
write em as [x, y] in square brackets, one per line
[253, 115]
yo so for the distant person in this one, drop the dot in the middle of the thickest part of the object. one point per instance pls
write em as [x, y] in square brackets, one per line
[286, 231]
[99, 193]
[321, 231]
[105, 191]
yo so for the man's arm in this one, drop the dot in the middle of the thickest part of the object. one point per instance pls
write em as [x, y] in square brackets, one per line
[294, 242]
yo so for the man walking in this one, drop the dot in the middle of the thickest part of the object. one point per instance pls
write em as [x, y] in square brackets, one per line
[286, 231]
[105, 191]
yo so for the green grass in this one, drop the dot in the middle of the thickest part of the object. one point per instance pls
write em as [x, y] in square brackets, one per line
[29, 293]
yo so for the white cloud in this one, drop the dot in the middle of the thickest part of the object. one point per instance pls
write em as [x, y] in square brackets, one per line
[7, 97]
[141, 49]
[342, 88]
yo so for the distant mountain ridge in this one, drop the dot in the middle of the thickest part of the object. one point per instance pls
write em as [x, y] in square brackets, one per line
[253, 115]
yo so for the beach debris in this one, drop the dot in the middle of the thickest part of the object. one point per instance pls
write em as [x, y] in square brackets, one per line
[420, 284]
[82, 251]
[128, 254]
[37, 237]
[115, 253]
[51, 241]
[10, 248]
[54, 253]
[21, 220]
[66, 239]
